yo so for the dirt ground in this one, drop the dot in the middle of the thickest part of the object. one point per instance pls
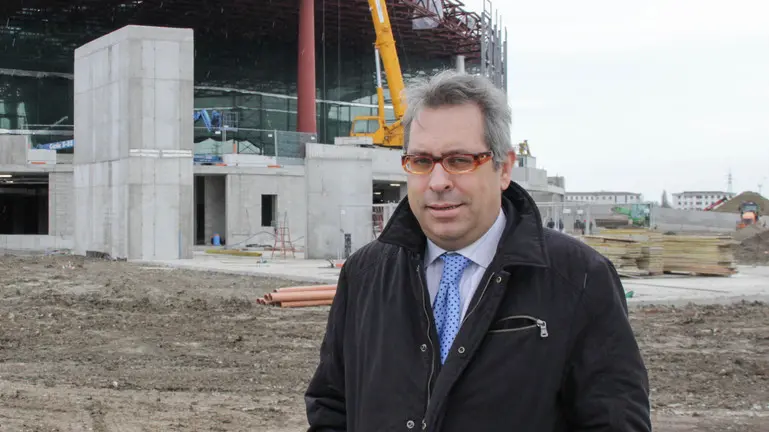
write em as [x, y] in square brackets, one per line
[110, 346]
[754, 251]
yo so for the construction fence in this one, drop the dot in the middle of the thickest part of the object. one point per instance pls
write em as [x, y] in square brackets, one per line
[570, 217]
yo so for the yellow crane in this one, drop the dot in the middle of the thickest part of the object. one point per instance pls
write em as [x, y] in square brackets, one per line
[376, 127]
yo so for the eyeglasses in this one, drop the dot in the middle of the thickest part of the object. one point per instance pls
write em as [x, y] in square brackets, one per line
[457, 163]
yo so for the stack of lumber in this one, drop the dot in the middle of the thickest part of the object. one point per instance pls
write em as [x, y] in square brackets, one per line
[300, 296]
[651, 260]
[624, 253]
[699, 254]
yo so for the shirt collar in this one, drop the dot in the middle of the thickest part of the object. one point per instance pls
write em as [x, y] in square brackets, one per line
[481, 252]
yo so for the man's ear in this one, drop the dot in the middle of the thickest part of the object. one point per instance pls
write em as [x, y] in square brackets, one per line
[506, 170]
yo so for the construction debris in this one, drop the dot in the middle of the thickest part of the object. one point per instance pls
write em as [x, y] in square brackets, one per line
[698, 254]
[300, 296]
[640, 252]
[623, 253]
[753, 248]
[634, 252]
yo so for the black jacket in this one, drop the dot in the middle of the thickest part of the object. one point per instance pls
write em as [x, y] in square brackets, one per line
[545, 346]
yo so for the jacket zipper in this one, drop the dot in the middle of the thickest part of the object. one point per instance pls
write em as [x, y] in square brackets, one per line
[483, 292]
[429, 339]
[542, 324]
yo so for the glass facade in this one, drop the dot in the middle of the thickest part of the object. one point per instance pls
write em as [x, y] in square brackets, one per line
[264, 98]
[254, 81]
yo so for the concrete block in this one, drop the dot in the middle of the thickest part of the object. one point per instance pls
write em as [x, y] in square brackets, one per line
[148, 59]
[84, 126]
[167, 60]
[130, 94]
[41, 156]
[338, 204]
[167, 232]
[61, 205]
[668, 219]
[100, 68]
[244, 206]
[248, 160]
[167, 103]
[166, 134]
[167, 171]
[13, 149]
[386, 165]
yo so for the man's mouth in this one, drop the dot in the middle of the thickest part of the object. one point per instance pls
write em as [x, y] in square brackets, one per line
[444, 206]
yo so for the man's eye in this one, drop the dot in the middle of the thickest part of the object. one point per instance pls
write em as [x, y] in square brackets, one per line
[460, 160]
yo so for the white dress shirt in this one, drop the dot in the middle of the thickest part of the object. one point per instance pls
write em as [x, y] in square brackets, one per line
[480, 254]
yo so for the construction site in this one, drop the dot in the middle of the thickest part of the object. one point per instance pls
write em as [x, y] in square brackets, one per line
[180, 186]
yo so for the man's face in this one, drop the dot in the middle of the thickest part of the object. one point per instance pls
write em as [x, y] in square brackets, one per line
[454, 210]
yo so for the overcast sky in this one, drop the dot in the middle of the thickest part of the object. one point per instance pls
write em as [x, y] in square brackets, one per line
[642, 95]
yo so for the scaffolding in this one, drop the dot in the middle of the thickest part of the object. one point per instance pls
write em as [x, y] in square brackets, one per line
[493, 46]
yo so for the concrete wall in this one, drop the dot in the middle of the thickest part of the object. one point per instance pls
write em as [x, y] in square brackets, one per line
[61, 204]
[666, 219]
[386, 165]
[244, 205]
[530, 176]
[214, 199]
[13, 150]
[133, 163]
[34, 242]
[60, 216]
[339, 195]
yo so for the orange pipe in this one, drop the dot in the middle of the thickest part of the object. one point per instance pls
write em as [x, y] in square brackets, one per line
[293, 304]
[299, 296]
[306, 288]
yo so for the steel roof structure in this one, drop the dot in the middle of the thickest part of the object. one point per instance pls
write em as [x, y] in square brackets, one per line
[51, 29]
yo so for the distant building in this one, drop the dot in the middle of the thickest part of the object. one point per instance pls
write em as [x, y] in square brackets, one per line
[604, 197]
[698, 200]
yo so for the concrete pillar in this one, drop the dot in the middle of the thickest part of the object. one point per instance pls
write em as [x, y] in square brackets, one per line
[61, 206]
[459, 63]
[306, 120]
[335, 204]
[133, 154]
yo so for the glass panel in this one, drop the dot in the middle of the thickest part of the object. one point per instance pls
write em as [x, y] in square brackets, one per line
[254, 77]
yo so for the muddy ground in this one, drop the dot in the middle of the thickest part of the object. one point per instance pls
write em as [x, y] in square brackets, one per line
[110, 346]
[753, 251]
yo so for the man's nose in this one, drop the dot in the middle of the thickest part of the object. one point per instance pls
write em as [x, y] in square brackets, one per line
[440, 180]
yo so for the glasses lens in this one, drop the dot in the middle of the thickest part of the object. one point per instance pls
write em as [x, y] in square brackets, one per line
[459, 163]
[419, 164]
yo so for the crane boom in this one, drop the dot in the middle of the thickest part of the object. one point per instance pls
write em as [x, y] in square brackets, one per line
[376, 127]
[385, 43]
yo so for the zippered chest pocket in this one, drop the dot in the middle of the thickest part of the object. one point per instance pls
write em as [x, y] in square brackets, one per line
[519, 323]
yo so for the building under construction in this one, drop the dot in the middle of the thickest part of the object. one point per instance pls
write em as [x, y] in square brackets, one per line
[141, 128]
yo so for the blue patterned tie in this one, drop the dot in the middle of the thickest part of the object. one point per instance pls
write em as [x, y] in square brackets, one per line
[446, 308]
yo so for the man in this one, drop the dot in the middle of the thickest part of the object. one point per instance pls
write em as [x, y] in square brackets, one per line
[466, 314]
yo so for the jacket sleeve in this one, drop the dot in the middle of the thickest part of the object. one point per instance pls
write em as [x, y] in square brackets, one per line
[606, 384]
[325, 395]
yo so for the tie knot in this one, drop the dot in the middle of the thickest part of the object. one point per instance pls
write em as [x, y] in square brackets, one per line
[454, 264]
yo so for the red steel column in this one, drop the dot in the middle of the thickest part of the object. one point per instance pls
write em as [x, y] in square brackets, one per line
[305, 119]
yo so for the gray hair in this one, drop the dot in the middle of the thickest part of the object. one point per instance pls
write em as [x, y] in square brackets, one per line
[455, 88]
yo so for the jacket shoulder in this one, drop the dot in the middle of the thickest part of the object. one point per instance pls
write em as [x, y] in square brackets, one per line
[570, 257]
[368, 256]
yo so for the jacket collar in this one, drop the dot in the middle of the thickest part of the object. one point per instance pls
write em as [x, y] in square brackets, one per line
[522, 241]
